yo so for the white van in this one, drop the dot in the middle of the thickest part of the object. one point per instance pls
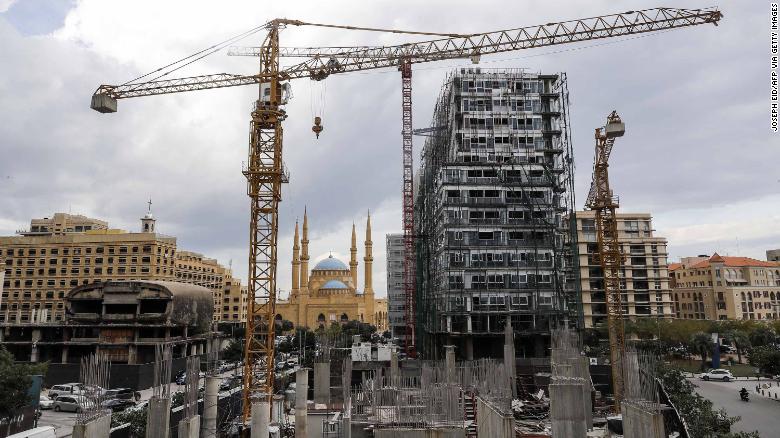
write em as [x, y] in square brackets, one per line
[38, 432]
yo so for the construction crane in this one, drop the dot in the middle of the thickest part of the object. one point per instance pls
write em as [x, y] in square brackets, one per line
[264, 171]
[603, 202]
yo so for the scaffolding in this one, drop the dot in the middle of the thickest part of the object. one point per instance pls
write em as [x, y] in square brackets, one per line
[495, 188]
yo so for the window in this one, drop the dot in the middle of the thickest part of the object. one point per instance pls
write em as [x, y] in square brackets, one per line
[514, 214]
[485, 235]
[458, 235]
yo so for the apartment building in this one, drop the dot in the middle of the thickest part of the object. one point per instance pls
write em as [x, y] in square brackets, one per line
[773, 255]
[494, 185]
[59, 253]
[724, 287]
[229, 297]
[395, 285]
[645, 289]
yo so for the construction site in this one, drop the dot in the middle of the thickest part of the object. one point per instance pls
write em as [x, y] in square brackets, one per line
[490, 342]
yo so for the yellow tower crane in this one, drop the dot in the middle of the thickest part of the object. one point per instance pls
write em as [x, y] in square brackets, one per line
[264, 171]
[602, 201]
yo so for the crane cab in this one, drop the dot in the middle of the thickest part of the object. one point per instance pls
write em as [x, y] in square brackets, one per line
[283, 91]
[614, 127]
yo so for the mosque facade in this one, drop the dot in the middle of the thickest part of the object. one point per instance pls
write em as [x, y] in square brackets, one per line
[329, 292]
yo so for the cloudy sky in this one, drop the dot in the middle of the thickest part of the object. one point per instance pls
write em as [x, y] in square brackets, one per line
[698, 153]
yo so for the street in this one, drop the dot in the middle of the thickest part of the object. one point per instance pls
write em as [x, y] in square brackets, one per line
[758, 414]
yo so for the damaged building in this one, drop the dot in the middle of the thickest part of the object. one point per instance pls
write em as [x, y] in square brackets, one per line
[122, 319]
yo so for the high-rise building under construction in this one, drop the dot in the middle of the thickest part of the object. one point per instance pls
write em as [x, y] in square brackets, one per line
[494, 189]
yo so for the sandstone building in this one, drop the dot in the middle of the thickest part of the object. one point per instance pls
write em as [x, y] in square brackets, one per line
[723, 287]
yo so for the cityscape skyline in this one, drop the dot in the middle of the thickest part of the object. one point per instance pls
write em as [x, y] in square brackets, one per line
[679, 176]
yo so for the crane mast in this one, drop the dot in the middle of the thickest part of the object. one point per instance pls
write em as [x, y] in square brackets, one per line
[264, 176]
[602, 201]
[264, 170]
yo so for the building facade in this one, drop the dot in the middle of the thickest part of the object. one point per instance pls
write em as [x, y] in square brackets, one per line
[645, 289]
[494, 185]
[59, 253]
[394, 247]
[329, 292]
[723, 287]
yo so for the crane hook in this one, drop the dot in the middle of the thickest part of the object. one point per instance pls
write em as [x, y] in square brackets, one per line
[317, 128]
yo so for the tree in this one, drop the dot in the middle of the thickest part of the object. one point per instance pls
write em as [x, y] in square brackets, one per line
[135, 417]
[766, 358]
[740, 339]
[234, 351]
[696, 411]
[701, 343]
[762, 335]
[15, 381]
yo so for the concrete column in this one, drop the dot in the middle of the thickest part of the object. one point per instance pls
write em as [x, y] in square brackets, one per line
[277, 409]
[34, 353]
[301, 391]
[99, 427]
[566, 420]
[261, 416]
[394, 373]
[158, 418]
[509, 356]
[639, 422]
[65, 354]
[208, 427]
[189, 427]
[449, 361]
[346, 426]
[132, 354]
[322, 383]
[469, 348]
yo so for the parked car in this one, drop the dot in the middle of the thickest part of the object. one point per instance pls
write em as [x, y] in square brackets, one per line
[67, 403]
[45, 402]
[123, 394]
[225, 385]
[719, 374]
[728, 349]
[117, 404]
[67, 388]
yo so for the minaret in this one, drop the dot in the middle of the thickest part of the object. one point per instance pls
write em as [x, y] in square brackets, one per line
[368, 259]
[296, 262]
[305, 252]
[353, 264]
[147, 222]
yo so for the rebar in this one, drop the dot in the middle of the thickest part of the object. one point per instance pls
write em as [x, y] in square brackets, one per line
[94, 374]
[161, 388]
[641, 380]
[191, 385]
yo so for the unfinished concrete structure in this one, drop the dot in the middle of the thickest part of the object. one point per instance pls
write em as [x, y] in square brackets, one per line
[494, 186]
[122, 319]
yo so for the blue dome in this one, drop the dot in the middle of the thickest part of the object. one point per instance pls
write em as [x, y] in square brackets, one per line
[331, 264]
[334, 284]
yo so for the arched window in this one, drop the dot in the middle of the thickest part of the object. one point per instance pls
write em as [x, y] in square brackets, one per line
[344, 317]
[743, 295]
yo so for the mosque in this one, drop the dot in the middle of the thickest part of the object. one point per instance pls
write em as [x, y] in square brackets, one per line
[330, 292]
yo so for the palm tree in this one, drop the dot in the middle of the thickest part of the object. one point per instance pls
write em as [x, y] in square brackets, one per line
[702, 343]
[740, 340]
